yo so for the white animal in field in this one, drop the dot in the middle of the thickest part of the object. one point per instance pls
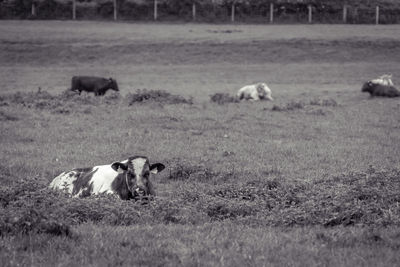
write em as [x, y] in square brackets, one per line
[253, 92]
[385, 79]
[129, 179]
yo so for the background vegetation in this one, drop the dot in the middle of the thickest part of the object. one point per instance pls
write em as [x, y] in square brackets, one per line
[285, 11]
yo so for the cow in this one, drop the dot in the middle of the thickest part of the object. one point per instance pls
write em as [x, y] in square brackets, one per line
[97, 85]
[385, 79]
[128, 179]
[376, 89]
[255, 92]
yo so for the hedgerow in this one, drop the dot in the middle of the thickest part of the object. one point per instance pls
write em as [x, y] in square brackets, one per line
[207, 10]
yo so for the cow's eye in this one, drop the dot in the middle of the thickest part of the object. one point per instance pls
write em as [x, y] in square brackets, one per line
[146, 174]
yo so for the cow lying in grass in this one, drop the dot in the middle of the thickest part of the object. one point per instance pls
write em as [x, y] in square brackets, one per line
[129, 179]
[382, 86]
[380, 90]
[255, 92]
[96, 85]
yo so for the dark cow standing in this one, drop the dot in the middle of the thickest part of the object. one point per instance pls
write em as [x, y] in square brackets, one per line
[97, 85]
[376, 89]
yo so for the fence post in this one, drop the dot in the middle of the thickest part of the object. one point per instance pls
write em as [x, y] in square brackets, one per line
[271, 12]
[309, 14]
[344, 13]
[356, 14]
[155, 9]
[33, 10]
[194, 11]
[115, 9]
[377, 15]
[233, 12]
[74, 9]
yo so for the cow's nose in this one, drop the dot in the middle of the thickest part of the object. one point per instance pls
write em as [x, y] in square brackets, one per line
[140, 191]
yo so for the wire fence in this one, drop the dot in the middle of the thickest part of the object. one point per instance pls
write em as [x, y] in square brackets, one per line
[268, 11]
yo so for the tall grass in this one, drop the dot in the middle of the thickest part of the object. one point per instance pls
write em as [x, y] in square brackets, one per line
[367, 199]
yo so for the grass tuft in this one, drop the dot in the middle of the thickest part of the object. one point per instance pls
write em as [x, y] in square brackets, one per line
[330, 102]
[161, 96]
[184, 171]
[4, 116]
[222, 98]
[297, 105]
[293, 105]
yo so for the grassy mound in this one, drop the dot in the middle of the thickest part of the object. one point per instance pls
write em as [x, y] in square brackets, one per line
[160, 96]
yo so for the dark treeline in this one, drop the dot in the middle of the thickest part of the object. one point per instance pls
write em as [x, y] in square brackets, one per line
[258, 11]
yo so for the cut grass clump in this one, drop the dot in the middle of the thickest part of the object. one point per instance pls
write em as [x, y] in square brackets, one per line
[25, 208]
[71, 102]
[222, 210]
[223, 98]
[65, 103]
[191, 172]
[293, 105]
[5, 116]
[297, 105]
[182, 171]
[324, 102]
[160, 96]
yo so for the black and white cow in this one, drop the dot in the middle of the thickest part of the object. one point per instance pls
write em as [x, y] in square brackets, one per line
[376, 89]
[97, 85]
[129, 179]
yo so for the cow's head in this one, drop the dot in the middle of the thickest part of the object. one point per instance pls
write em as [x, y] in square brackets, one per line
[137, 171]
[368, 87]
[113, 84]
[263, 91]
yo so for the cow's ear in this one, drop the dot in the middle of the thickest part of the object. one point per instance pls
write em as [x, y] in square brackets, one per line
[157, 167]
[119, 167]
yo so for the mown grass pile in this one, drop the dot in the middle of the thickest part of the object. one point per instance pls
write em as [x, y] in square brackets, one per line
[298, 104]
[223, 98]
[69, 102]
[161, 96]
[370, 199]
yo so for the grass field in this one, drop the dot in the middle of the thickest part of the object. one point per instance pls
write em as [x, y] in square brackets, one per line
[312, 178]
